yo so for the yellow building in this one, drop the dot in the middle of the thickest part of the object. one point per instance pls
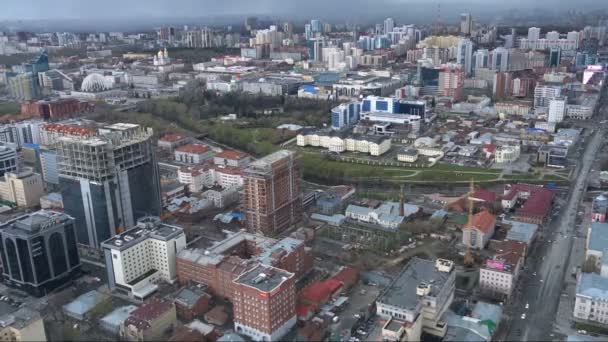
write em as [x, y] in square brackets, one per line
[22, 188]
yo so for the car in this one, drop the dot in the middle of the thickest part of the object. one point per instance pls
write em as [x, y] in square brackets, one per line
[582, 332]
[527, 306]
[357, 316]
[523, 316]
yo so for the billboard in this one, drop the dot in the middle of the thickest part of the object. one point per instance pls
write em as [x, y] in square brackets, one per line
[495, 264]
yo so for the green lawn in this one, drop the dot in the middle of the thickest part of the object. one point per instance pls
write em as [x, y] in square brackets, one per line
[555, 178]
[456, 168]
[590, 328]
[317, 167]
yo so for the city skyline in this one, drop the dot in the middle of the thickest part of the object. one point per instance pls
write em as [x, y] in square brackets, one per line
[391, 170]
[72, 9]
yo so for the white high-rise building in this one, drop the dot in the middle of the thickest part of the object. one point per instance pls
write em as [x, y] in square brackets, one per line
[464, 55]
[557, 109]
[482, 58]
[466, 23]
[533, 33]
[389, 25]
[553, 35]
[138, 258]
[500, 59]
[543, 94]
[573, 36]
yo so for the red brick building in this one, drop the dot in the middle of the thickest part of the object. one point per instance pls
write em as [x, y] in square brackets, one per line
[264, 303]
[55, 109]
[218, 266]
[192, 302]
[272, 199]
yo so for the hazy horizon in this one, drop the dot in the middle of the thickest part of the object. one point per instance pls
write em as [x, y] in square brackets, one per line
[332, 9]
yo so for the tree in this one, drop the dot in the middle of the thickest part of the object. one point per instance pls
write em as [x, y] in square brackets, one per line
[590, 264]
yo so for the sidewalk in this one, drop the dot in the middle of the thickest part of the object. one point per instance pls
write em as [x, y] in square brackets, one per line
[563, 318]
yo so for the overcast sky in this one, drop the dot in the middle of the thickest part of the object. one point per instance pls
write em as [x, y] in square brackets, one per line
[98, 9]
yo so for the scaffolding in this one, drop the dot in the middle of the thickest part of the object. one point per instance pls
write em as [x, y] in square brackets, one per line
[99, 158]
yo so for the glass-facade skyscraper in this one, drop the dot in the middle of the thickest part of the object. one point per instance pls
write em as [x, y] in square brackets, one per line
[39, 251]
[108, 181]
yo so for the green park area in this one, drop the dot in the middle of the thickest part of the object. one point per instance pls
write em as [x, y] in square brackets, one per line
[321, 169]
[197, 112]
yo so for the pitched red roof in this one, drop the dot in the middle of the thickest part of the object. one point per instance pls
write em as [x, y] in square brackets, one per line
[483, 221]
[508, 251]
[302, 310]
[193, 148]
[231, 154]
[346, 275]
[149, 311]
[320, 291]
[538, 202]
[489, 148]
[484, 195]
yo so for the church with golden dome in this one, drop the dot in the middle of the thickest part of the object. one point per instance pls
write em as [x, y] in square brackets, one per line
[162, 58]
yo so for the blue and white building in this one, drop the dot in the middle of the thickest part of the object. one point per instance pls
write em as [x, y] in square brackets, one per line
[380, 104]
[345, 115]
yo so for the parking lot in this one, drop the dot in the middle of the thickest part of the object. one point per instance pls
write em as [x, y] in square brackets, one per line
[355, 314]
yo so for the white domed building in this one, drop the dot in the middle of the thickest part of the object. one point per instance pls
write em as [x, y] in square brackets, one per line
[98, 87]
[95, 83]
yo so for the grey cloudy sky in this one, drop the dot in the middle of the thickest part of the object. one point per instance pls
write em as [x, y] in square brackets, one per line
[97, 9]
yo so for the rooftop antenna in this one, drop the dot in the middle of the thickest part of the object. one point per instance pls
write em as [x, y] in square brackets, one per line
[438, 22]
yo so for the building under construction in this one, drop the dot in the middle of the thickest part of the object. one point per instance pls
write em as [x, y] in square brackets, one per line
[108, 179]
[272, 200]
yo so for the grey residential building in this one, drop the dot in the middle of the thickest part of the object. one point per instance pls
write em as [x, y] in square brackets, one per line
[39, 251]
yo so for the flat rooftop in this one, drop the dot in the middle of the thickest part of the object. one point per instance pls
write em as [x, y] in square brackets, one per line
[267, 161]
[402, 292]
[35, 222]
[264, 278]
[147, 227]
[121, 126]
[394, 325]
[598, 236]
[592, 285]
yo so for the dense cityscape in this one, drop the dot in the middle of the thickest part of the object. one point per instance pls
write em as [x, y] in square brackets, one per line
[267, 178]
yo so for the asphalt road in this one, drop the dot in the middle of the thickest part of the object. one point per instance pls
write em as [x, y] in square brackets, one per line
[542, 291]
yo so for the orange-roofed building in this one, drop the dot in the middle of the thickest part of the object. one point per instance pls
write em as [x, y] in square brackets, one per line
[49, 133]
[479, 230]
[193, 153]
